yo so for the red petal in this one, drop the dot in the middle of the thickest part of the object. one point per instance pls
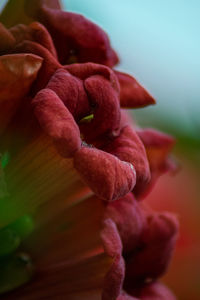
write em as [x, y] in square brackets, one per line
[104, 99]
[57, 122]
[126, 214]
[158, 146]
[115, 276]
[125, 296]
[15, 69]
[49, 66]
[42, 36]
[21, 32]
[157, 245]
[155, 291]
[128, 147]
[71, 91]
[83, 71]
[105, 174]
[7, 40]
[132, 94]
[34, 32]
[74, 34]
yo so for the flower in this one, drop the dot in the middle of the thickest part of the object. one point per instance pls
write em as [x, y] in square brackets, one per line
[73, 165]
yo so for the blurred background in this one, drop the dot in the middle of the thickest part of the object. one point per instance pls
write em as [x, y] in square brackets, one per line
[159, 44]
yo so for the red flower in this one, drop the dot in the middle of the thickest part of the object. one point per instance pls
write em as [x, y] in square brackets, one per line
[67, 139]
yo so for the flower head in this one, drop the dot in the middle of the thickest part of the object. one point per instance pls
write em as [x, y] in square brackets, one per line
[74, 166]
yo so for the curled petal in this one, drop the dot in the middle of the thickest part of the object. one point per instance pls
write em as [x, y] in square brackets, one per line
[49, 66]
[109, 177]
[83, 71]
[128, 147]
[132, 94]
[74, 34]
[21, 32]
[113, 247]
[126, 214]
[71, 91]
[57, 122]
[35, 32]
[104, 99]
[15, 69]
[157, 245]
[7, 40]
[158, 140]
[158, 146]
[42, 36]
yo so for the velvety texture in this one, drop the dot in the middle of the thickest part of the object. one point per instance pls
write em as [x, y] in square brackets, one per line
[132, 94]
[66, 145]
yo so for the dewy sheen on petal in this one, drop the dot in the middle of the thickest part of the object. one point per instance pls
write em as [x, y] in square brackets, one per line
[132, 94]
[109, 177]
[57, 122]
[15, 69]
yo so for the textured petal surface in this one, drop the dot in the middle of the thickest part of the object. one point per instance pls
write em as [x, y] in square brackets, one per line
[109, 177]
[157, 245]
[83, 71]
[74, 35]
[126, 214]
[104, 99]
[128, 147]
[113, 247]
[70, 146]
[49, 66]
[35, 32]
[71, 91]
[132, 94]
[57, 122]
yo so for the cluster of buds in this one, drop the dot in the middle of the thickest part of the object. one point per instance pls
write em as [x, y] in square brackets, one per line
[74, 166]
